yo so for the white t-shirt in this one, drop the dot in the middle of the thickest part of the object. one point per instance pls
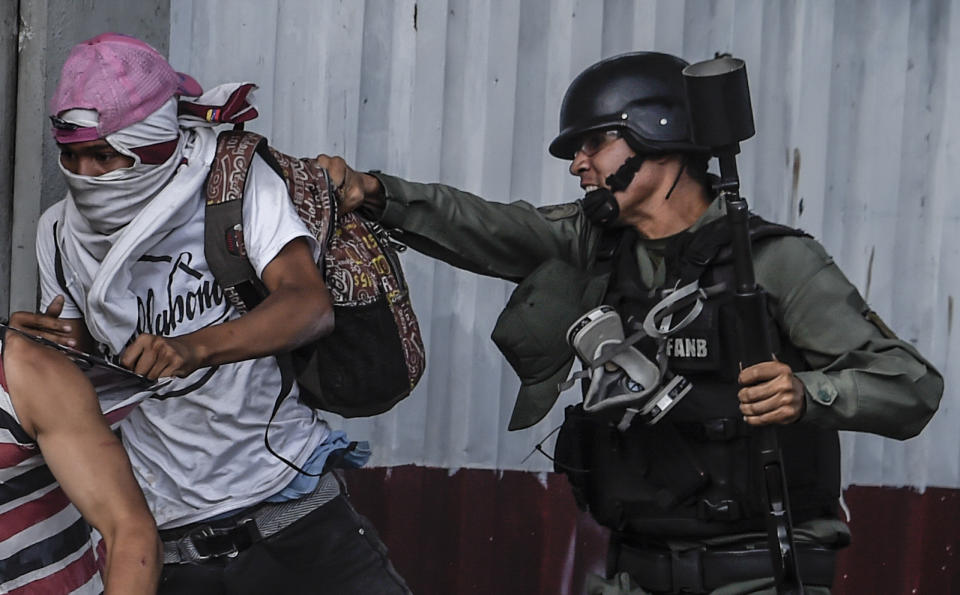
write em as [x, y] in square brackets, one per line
[197, 445]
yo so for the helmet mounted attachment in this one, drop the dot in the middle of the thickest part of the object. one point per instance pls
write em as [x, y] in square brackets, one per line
[642, 96]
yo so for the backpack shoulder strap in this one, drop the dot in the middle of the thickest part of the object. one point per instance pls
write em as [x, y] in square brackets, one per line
[224, 245]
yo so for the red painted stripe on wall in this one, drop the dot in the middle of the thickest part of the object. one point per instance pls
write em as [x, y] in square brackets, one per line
[481, 532]
[903, 542]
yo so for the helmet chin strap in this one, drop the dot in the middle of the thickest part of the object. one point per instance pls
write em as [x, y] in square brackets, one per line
[600, 205]
[620, 179]
[676, 180]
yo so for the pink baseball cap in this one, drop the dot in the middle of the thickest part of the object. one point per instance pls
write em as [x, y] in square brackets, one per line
[120, 77]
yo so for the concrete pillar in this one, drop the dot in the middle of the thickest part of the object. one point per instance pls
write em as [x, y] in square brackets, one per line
[48, 29]
[8, 103]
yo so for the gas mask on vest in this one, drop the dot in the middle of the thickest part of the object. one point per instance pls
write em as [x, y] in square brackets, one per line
[621, 377]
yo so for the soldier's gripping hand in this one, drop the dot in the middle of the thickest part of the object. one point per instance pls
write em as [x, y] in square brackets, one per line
[354, 189]
[159, 357]
[771, 394]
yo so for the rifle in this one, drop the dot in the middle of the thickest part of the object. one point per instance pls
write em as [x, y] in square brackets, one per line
[718, 99]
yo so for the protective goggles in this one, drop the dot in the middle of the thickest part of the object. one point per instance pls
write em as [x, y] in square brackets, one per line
[593, 142]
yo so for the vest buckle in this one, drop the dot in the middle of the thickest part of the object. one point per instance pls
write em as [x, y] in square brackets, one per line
[721, 429]
[721, 510]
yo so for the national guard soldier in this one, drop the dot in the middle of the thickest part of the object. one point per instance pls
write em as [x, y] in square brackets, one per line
[635, 280]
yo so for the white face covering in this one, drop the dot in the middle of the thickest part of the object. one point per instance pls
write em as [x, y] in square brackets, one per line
[110, 201]
[109, 221]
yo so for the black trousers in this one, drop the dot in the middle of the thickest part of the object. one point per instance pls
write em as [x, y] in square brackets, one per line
[333, 550]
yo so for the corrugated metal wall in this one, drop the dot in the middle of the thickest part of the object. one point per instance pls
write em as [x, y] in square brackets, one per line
[857, 106]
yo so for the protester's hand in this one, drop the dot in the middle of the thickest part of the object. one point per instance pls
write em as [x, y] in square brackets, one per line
[771, 394]
[158, 357]
[353, 188]
[48, 325]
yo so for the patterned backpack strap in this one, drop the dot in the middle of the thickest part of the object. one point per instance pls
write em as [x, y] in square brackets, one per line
[310, 191]
[375, 354]
[223, 227]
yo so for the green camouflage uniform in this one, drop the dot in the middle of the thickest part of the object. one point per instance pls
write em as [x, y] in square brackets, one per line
[861, 377]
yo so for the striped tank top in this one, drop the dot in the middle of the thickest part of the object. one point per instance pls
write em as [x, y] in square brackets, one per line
[46, 547]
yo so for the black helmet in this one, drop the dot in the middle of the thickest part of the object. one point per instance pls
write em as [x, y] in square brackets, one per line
[640, 93]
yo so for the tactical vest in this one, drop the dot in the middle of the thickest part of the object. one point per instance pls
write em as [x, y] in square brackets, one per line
[695, 473]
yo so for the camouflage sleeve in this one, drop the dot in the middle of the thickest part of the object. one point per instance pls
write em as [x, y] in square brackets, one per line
[506, 240]
[863, 378]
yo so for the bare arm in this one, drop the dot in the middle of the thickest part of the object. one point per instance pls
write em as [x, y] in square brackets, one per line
[58, 407]
[297, 311]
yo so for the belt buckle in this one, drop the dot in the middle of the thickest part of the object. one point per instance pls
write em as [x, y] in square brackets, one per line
[199, 541]
[187, 546]
[687, 570]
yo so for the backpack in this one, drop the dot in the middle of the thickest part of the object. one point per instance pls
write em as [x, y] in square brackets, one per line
[375, 355]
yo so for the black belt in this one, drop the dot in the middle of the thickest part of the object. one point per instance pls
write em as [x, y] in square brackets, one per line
[228, 537]
[702, 570]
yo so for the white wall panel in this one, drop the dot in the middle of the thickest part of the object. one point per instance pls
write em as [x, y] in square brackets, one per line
[857, 106]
